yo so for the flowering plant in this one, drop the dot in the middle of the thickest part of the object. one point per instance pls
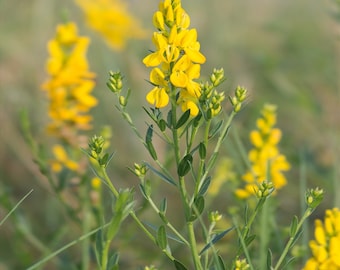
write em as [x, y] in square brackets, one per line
[188, 122]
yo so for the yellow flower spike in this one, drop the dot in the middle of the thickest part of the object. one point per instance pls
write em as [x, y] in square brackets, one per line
[69, 86]
[177, 52]
[265, 158]
[158, 97]
[326, 246]
[111, 19]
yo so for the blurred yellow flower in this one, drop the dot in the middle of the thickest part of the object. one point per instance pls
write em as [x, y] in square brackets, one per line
[177, 53]
[267, 163]
[326, 246]
[62, 160]
[111, 19]
[71, 83]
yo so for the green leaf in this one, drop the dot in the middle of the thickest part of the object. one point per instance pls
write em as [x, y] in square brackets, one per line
[184, 165]
[249, 239]
[204, 187]
[105, 160]
[161, 175]
[113, 262]
[183, 119]
[169, 235]
[197, 120]
[146, 189]
[293, 226]
[197, 208]
[202, 150]
[163, 205]
[215, 239]
[162, 125]
[99, 245]
[169, 119]
[269, 259]
[179, 265]
[297, 236]
[148, 142]
[221, 263]
[216, 129]
[162, 237]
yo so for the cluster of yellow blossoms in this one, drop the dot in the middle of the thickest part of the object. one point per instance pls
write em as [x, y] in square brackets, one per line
[111, 19]
[176, 61]
[69, 90]
[267, 163]
[326, 246]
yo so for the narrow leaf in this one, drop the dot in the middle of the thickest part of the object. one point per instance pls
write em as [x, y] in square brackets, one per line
[113, 262]
[198, 208]
[161, 175]
[169, 235]
[162, 125]
[221, 263]
[163, 205]
[269, 259]
[151, 150]
[204, 187]
[182, 120]
[202, 150]
[293, 226]
[99, 245]
[169, 119]
[179, 265]
[216, 129]
[184, 165]
[215, 239]
[149, 133]
[162, 237]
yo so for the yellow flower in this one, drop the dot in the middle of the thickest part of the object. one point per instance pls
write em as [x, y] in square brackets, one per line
[267, 164]
[187, 102]
[70, 84]
[326, 246]
[111, 19]
[158, 95]
[178, 57]
[62, 160]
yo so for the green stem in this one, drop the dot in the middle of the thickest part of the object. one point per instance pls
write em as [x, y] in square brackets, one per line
[290, 242]
[132, 213]
[15, 207]
[183, 191]
[167, 223]
[193, 246]
[265, 232]
[85, 225]
[218, 146]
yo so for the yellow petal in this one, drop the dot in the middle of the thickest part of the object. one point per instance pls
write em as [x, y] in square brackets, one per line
[158, 97]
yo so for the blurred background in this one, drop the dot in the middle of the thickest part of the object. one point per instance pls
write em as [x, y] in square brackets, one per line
[284, 52]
